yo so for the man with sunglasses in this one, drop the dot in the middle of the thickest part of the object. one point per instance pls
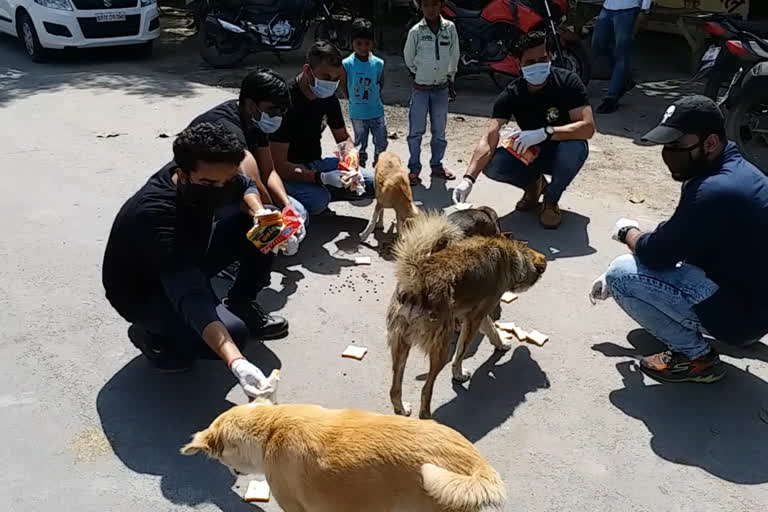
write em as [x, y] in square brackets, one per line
[164, 247]
[692, 276]
[296, 147]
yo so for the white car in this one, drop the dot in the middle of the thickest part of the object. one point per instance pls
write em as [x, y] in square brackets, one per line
[57, 24]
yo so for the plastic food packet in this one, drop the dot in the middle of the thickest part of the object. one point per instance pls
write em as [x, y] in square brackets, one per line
[274, 229]
[349, 161]
[508, 137]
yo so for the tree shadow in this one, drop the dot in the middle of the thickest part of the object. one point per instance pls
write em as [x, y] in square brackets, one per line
[493, 394]
[148, 416]
[570, 240]
[715, 427]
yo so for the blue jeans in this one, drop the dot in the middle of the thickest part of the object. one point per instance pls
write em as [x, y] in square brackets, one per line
[613, 36]
[315, 197]
[377, 128]
[662, 301]
[435, 103]
[562, 160]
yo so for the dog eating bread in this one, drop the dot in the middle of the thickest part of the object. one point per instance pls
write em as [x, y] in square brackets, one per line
[446, 278]
[392, 191]
[325, 460]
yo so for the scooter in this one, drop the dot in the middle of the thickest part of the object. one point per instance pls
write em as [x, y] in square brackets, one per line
[488, 36]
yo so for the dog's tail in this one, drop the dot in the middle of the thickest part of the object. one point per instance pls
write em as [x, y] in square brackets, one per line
[426, 234]
[483, 488]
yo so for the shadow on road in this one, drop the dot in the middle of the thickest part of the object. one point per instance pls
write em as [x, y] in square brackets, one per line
[493, 394]
[570, 240]
[148, 416]
[716, 427]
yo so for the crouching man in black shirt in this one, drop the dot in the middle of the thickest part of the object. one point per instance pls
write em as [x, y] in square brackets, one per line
[164, 248]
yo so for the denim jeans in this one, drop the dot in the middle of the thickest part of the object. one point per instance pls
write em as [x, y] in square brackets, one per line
[562, 160]
[315, 198]
[662, 301]
[435, 103]
[613, 36]
[377, 128]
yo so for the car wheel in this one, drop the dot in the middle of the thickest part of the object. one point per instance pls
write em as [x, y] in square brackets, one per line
[144, 50]
[28, 36]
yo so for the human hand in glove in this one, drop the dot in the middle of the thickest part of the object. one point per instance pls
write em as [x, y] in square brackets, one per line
[462, 191]
[599, 291]
[251, 379]
[260, 213]
[529, 138]
[622, 225]
[335, 178]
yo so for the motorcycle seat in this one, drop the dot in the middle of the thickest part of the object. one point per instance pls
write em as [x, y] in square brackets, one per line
[464, 13]
[759, 28]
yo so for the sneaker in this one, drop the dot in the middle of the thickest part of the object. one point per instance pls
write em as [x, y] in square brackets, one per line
[550, 216]
[608, 106]
[532, 194]
[261, 324]
[671, 366]
[159, 356]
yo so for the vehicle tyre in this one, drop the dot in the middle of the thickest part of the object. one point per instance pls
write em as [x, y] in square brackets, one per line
[746, 124]
[144, 50]
[576, 58]
[220, 50]
[334, 32]
[28, 36]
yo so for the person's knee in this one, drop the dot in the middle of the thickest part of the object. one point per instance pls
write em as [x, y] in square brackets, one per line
[621, 268]
[317, 202]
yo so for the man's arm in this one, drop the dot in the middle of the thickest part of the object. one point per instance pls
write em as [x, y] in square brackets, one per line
[485, 147]
[409, 52]
[582, 126]
[336, 121]
[341, 134]
[251, 169]
[287, 170]
[454, 54]
[275, 185]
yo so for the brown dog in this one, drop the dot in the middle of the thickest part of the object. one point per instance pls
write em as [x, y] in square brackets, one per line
[323, 460]
[392, 191]
[444, 278]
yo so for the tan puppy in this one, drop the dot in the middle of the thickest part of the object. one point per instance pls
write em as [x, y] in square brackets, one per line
[445, 279]
[326, 460]
[392, 191]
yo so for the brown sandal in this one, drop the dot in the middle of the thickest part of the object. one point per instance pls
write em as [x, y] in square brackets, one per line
[414, 179]
[444, 174]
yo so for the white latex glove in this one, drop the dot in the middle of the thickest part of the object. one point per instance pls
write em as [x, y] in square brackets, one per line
[621, 224]
[599, 291]
[252, 380]
[462, 191]
[301, 232]
[333, 178]
[529, 138]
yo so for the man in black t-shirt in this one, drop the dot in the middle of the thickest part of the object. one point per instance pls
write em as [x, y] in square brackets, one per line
[552, 111]
[296, 146]
[165, 246]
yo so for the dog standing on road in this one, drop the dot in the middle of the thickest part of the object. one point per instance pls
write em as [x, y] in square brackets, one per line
[392, 191]
[445, 279]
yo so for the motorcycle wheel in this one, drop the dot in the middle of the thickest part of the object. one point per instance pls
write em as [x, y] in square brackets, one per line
[747, 125]
[576, 58]
[220, 50]
[335, 33]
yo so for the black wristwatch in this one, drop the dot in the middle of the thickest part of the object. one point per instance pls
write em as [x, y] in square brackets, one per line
[550, 131]
[623, 232]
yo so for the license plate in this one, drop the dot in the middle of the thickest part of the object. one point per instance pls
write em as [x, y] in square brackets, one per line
[110, 17]
[711, 54]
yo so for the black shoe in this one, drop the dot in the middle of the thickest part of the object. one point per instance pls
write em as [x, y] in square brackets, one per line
[160, 357]
[628, 86]
[608, 106]
[261, 324]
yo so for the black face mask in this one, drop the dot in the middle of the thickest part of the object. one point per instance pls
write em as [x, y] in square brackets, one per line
[681, 162]
[196, 195]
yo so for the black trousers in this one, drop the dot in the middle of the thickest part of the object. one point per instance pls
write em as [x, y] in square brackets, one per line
[228, 244]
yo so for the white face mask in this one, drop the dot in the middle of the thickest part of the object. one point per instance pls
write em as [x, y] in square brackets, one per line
[323, 88]
[267, 123]
[537, 74]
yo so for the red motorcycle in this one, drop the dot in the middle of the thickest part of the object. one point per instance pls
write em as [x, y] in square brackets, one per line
[488, 36]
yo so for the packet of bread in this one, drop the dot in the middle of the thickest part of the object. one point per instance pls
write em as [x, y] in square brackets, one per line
[508, 137]
[273, 229]
[349, 161]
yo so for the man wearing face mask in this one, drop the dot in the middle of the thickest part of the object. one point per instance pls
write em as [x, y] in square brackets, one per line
[551, 108]
[165, 246]
[691, 277]
[264, 99]
[296, 147]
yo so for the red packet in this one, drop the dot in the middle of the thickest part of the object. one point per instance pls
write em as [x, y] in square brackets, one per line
[529, 156]
[274, 230]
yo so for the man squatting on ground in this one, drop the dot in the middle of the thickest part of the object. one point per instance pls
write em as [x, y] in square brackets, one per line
[165, 246]
[691, 277]
[551, 107]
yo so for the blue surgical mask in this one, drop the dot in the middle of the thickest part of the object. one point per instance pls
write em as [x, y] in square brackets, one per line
[537, 74]
[268, 124]
[323, 88]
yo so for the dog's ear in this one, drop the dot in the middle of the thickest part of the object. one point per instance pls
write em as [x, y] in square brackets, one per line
[200, 443]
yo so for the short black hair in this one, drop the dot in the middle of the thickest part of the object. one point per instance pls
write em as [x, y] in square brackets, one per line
[206, 142]
[323, 52]
[529, 41]
[266, 85]
[362, 29]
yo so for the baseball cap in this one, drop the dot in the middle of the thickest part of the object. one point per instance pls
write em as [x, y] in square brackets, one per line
[692, 114]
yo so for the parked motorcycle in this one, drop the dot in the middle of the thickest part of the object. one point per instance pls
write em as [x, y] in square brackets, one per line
[231, 29]
[487, 37]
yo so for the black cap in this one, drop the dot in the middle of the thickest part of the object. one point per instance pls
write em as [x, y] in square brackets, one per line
[691, 114]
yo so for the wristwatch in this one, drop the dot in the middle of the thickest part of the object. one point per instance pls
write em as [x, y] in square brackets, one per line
[550, 131]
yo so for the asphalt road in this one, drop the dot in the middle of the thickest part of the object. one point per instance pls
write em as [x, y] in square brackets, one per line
[86, 425]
